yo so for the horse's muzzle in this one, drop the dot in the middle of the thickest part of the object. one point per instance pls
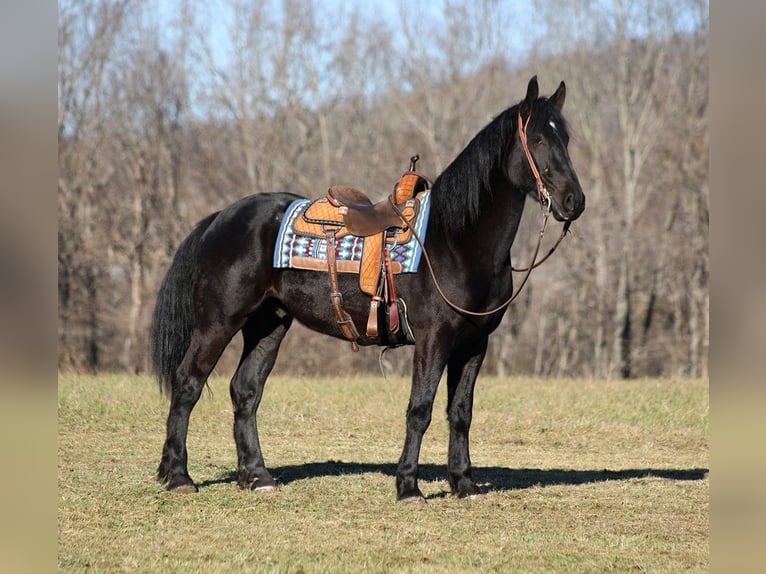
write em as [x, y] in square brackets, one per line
[570, 208]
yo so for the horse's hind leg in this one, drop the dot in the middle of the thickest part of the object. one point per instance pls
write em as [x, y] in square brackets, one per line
[203, 353]
[262, 335]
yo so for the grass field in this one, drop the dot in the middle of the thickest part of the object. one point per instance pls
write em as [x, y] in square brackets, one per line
[581, 476]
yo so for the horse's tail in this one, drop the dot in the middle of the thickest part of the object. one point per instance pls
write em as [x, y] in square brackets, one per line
[173, 318]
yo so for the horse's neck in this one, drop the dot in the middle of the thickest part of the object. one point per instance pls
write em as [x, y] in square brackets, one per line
[498, 225]
[488, 241]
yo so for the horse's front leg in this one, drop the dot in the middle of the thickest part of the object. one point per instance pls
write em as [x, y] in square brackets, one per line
[428, 364]
[462, 371]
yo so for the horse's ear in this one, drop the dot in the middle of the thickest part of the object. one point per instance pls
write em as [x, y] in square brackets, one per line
[557, 99]
[532, 92]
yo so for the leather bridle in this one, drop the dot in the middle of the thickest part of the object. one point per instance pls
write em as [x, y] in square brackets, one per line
[545, 204]
[542, 191]
[542, 195]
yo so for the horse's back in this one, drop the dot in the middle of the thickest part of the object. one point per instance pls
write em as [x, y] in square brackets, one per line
[252, 217]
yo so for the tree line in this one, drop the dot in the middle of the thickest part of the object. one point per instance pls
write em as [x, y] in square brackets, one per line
[160, 125]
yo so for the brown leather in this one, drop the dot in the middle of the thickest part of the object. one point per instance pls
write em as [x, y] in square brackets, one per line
[369, 271]
[409, 185]
[319, 215]
[409, 211]
[370, 220]
[372, 318]
[339, 195]
[345, 322]
[352, 212]
[361, 216]
[312, 264]
[393, 306]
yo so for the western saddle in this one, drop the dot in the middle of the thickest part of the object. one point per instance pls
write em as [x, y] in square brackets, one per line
[345, 210]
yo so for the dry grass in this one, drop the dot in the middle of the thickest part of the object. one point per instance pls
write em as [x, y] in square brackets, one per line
[582, 476]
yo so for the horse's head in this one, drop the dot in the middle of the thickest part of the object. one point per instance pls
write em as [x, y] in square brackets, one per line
[540, 160]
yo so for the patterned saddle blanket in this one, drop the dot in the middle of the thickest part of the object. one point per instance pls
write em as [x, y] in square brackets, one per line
[302, 244]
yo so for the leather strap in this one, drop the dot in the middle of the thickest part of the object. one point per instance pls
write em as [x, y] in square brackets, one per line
[542, 192]
[393, 306]
[345, 322]
[372, 318]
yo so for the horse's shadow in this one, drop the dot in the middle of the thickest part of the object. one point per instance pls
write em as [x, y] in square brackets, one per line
[490, 478]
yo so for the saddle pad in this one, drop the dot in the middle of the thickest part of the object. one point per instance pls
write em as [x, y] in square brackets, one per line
[293, 248]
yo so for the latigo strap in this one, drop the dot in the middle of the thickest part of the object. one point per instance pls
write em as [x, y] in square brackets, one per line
[345, 322]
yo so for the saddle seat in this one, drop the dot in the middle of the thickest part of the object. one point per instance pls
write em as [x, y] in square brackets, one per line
[361, 216]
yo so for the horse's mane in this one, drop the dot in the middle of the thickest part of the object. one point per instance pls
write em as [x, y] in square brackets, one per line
[458, 192]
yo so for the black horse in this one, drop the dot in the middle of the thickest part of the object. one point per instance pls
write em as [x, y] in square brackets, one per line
[222, 281]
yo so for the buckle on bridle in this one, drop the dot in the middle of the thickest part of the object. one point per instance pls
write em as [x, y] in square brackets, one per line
[545, 199]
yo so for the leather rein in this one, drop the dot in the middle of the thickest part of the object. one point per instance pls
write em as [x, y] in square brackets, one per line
[545, 204]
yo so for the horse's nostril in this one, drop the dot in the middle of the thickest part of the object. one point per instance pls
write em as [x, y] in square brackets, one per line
[569, 202]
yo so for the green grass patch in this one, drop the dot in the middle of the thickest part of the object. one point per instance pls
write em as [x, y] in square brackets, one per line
[581, 476]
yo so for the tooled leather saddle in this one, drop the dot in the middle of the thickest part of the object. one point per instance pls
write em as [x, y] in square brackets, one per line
[345, 210]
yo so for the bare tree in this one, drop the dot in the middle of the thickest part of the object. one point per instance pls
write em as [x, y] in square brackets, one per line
[625, 78]
[161, 123]
[151, 153]
[87, 38]
[121, 103]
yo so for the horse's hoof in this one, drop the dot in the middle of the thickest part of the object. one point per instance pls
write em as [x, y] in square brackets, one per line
[264, 488]
[184, 489]
[467, 489]
[472, 496]
[259, 484]
[414, 498]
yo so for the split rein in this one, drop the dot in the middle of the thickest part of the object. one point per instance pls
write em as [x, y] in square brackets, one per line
[545, 204]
